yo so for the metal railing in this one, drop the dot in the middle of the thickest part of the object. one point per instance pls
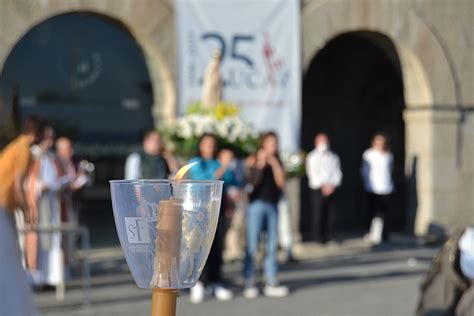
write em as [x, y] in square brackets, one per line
[70, 231]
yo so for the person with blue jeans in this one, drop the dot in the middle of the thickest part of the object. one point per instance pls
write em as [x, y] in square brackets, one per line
[267, 180]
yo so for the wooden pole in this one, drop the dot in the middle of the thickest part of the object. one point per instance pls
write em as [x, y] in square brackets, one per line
[168, 245]
[163, 302]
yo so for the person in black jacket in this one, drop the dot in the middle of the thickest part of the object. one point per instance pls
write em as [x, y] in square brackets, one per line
[267, 179]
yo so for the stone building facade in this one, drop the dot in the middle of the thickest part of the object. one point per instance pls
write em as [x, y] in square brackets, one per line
[434, 41]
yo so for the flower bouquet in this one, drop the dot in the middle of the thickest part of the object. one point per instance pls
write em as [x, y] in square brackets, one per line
[222, 120]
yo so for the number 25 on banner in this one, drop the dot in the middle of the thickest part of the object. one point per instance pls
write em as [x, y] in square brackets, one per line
[234, 44]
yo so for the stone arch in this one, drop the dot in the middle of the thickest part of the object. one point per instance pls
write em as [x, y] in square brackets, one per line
[352, 96]
[21, 17]
[425, 88]
[324, 20]
[152, 25]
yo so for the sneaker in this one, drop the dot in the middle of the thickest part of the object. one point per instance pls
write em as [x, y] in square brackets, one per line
[197, 293]
[291, 259]
[250, 292]
[275, 290]
[223, 294]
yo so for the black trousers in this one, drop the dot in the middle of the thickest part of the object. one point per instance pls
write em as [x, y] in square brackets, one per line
[212, 270]
[323, 216]
[379, 206]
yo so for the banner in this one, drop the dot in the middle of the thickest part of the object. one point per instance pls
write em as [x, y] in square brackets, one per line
[261, 59]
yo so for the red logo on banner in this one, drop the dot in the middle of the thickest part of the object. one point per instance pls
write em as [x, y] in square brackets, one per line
[272, 62]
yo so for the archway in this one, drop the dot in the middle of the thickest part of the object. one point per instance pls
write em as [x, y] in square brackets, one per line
[352, 89]
[79, 69]
[87, 74]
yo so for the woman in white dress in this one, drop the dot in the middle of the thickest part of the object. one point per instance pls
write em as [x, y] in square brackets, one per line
[44, 192]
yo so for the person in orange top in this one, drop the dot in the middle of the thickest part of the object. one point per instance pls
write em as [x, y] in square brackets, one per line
[16, 298]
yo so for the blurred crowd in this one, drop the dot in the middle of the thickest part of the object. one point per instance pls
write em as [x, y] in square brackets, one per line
[43, 178]
[255, 203]
[39, 178]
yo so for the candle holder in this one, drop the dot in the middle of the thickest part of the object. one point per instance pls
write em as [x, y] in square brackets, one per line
[166, 229]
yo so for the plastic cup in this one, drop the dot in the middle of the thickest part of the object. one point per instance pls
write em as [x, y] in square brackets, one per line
[166, 228]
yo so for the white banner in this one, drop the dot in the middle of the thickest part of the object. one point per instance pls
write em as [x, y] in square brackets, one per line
[261, 66]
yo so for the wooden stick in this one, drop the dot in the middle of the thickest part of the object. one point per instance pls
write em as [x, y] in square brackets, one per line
[163, 302]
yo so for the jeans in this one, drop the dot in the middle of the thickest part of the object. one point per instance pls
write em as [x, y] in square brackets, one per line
[261, 214]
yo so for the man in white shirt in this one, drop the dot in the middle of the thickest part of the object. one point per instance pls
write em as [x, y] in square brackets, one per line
[376, 171]
[324, 175]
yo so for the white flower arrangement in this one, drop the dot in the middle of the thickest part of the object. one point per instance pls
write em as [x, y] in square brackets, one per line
[223, 121]
[230, 129]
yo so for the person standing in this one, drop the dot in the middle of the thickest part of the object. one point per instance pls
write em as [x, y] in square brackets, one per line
[152, 162]
[68, 202]
[376, 170]
[67, 166]
[15, 295]
[324, 175]
[45, 183]
[267, 179]
[210, 168]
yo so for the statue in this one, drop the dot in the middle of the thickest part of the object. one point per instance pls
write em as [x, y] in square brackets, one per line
[211, 87]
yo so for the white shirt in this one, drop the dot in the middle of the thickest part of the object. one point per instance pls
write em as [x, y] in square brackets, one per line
[133, 167]
[48, 171]
[377, 171]
[323, 167]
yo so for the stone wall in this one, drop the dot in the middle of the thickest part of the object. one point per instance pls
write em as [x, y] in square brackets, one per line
[435, 43]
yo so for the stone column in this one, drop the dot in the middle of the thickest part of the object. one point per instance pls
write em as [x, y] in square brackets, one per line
[431, 168]
[293, 194]
[419, 166]
[445, 171]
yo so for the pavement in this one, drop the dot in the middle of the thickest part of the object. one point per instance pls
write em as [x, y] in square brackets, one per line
[348, 278]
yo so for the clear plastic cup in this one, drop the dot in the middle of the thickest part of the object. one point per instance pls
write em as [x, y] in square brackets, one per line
[166, 228]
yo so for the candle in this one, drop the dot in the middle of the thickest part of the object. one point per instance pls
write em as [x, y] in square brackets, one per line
[167, 253]
[167, 244]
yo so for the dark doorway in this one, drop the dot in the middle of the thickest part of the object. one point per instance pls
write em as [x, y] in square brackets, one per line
[352, 89]
[87, 75]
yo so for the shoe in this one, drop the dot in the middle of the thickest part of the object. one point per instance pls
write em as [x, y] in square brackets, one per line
[223, 294]
[291, 259]
[34, 277]
[197, 293]
[250, 292]
[275, 290]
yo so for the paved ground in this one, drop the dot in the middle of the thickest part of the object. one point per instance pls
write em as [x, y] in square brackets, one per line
[348, 279]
